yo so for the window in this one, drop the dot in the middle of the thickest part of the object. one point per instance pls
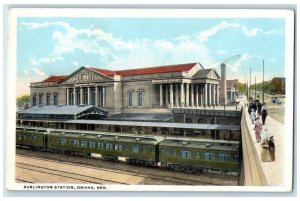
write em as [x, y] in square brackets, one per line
[100, 145]
[185, 154]
[40, 99]
[55, 99]
[140, 99]
[118, 147]
[173, 152]
[125, 147]
[108, 145]
[63, 141]
[92, 144]
[34, 100]
[130, 99]
[223, 157]
[166, 151]
[75, 142]
[196, 154]
[134, 148]
[151, 149]
[236, 158]
[83, 143]
[48, 99]
[207, 156]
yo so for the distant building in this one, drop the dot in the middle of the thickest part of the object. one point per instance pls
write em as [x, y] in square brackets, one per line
[231, 90]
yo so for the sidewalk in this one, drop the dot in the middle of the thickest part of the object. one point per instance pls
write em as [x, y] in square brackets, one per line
[273, 170]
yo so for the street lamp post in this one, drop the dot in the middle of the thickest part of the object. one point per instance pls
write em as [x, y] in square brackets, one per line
[263, 91]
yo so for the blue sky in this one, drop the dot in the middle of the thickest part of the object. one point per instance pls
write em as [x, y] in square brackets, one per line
[59, 46]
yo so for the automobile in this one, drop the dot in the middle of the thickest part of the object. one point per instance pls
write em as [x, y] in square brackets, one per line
[275, 100]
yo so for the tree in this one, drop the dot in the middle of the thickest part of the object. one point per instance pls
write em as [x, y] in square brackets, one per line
[23, 101]
[278, 85]
[240, 87]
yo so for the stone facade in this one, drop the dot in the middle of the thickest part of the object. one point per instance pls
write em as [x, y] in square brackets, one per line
[143, 90]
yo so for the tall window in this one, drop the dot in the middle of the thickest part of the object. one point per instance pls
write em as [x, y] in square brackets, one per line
[140, 99]
[55, 98]
[40, 99]
[34, 100]
[185, 154]
[48, 99]
[208, 156]
[223, 157]
[130, 99]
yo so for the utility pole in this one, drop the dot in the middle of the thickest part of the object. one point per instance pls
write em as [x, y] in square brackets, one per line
[255, 88]
[250, 84]
[263, 91]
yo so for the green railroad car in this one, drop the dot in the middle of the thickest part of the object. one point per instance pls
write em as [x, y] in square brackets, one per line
[136, 149]
[195, 155]
[35, 138]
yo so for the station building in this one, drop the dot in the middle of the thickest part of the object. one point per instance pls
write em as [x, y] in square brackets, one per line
[143, 90]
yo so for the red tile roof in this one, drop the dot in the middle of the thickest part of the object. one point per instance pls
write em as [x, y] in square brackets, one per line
[104, 72]
[55, 78]
[150, 70]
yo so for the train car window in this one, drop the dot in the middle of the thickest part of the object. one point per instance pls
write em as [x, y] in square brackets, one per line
[173, 152]
[151, 149]
[100, 145]
[92, 144]
[75, 142]
[236, 158]
[185, 154]
[166, 151]
[143, 148]
[196, 154]
[207, 156]
[118, 147]
[108, 145]
[134, 148]
[223, 157]
[83, 143]
[125, 147]
[63, 141]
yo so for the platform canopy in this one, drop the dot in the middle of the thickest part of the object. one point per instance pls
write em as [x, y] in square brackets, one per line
[153, 117]
[63, 112]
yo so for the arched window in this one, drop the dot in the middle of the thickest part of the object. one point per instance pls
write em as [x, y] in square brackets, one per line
[34, 100]
[40, 99]
[55, 98]
[188, 120]
[48, 98]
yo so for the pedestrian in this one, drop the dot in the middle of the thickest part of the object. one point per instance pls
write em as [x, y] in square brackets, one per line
[257, 128]
[272, 148]
[265, 152]
[252, 116]
[259, 105]
[264, 113]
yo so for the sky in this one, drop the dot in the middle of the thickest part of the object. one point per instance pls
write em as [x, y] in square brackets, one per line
[58, 46]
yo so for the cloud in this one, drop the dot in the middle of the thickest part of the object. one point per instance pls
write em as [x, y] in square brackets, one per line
[45, 60]
[235, 66]
[39, 72]
[75, 63]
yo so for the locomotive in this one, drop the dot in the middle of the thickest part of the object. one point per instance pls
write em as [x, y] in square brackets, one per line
[175, 153]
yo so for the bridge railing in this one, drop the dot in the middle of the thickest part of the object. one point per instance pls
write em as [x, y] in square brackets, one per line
[251, 170]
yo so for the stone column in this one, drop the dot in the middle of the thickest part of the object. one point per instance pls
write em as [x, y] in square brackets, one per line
[96, 96]
[218, 96]
[104, 95]
[81, 95]
[197, 95]
[182, 102]
[171, 95]
[89, 93]
[176, 94]
[74, 96]
[187, 96]
[166, 95]
[192, 95]
[68, 93]
[160, 95]
[214, 94]
[209, 94]
[205, 94]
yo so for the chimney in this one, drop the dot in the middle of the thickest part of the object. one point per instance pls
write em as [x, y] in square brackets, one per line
[223, 86]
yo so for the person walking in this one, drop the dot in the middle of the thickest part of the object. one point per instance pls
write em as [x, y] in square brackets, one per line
[259, 105]
[272, 148]
[252, 116]
[257, 128]
[264, 113]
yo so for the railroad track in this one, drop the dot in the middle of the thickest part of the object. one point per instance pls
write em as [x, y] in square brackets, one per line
[157, 176]
[65, 174]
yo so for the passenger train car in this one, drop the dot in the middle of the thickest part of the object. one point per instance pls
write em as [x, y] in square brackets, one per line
[175, 153]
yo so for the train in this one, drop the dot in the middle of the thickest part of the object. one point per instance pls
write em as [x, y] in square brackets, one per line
[191, 155]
